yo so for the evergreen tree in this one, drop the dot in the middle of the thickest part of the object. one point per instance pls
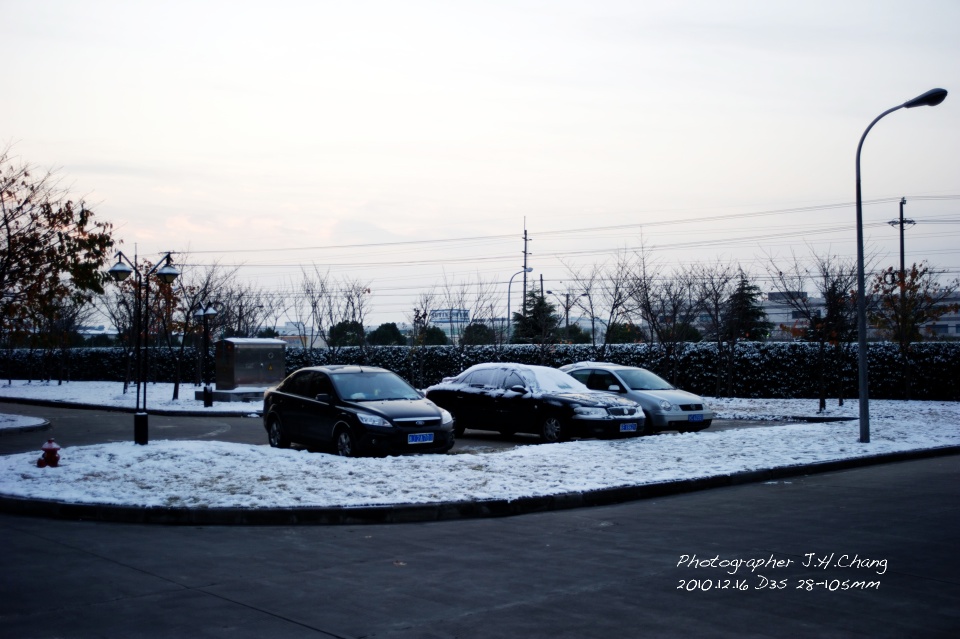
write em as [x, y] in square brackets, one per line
[620, 333]
[573, 334]
[477, 334]
[434, 336]
[386, 334]
[346, 333]
[743, 315]
[538, 323]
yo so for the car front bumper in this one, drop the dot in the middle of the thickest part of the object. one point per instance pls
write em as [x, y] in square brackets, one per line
[395, 442]
[607, 428]
[681, 419]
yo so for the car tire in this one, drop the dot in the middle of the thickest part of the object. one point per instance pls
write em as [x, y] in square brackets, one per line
[275, 434]
[344, 443]
[459, 426]
[552, 431]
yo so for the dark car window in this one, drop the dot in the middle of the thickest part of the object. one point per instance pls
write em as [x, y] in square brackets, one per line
[511, 380]
[373, 386]
[297, 384]
[322, 384]
[483, 377]
[581, 376]
[642, 379]
[602, 380]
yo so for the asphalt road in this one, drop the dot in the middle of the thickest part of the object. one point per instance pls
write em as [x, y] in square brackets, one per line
[861, 553]
[869, 552]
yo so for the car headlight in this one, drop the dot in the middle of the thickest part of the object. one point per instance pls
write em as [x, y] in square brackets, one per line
[590, 412]
[445, 416]
[665, 405]
[372, 420]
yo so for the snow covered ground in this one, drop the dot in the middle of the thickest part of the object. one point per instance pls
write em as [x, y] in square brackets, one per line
[220, 474]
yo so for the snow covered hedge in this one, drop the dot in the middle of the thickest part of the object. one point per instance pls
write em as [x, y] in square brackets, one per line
[756, 369]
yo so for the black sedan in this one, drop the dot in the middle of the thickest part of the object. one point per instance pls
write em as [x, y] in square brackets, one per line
[354, 410]
[520, 398]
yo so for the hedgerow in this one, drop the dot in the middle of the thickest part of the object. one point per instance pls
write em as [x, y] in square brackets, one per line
[758, 369]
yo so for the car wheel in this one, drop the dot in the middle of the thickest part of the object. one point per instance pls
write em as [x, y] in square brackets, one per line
[344, 444]
[275, 434]
[552, 430]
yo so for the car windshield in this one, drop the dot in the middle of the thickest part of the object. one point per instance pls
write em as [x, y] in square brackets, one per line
[640, 379]
[372, 386]
[550, 380]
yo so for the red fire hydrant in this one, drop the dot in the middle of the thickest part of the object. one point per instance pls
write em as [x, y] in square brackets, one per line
[50, 455]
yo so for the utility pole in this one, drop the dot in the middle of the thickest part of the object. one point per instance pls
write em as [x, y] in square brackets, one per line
[901, 223]
[525, 268]
[903, 270]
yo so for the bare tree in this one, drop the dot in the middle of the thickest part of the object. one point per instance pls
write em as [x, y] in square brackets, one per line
[603, 292]
[198, 289]
[830, 321]
[905, 302]
[419, 319]
[716, 283]
[309, 304]
[117, 305]
[274, 306]
[669, 305]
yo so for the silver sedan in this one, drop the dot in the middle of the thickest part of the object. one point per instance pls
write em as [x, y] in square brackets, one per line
[665, 406]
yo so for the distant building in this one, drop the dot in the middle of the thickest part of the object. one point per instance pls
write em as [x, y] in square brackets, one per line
[451, 321]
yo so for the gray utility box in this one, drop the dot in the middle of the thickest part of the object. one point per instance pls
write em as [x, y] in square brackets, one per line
[246, 361]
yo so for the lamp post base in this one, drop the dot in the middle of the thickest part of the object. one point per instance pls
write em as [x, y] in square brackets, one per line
[140, 435]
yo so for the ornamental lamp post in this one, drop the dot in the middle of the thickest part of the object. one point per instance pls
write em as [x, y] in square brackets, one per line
[166, 273]
[933, 97]
[204, 314]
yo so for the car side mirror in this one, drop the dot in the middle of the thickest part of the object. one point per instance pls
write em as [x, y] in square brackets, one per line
[616, 388]
[324, 397]
[517, 388]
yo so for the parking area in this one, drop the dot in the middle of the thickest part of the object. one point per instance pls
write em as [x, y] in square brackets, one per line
[74, 427]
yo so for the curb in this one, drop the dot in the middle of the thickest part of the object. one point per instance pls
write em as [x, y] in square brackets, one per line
[43, 425]
[443, 511]
[257, 408]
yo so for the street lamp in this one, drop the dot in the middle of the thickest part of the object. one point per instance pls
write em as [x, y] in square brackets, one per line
[204, 314]
[526, 269]
[166, 273]
[932, 97]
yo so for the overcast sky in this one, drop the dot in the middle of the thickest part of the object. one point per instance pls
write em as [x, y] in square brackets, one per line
[269, 134]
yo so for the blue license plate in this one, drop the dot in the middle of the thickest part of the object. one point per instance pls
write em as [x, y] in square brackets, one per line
[420, 438]
[628, 428]
[694, 418]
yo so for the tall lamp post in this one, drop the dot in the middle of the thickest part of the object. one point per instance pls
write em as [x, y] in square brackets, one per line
[120, 271]
[933, 97]
[526, 269]
[204, 314]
